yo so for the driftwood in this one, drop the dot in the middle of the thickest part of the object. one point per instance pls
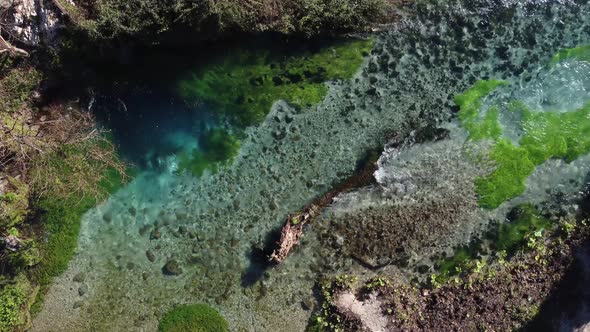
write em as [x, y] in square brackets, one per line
[294, 226]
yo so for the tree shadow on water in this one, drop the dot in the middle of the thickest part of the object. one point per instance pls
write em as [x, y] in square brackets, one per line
[259, 259]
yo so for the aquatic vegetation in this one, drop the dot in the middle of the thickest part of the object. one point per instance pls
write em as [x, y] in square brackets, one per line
[216, 146]
[193, 318]
[508, 180]
[524, 224]
[244, 85]
[546, 135]
[556, 134]
[524, 220]
[581, 53]
[470, 103]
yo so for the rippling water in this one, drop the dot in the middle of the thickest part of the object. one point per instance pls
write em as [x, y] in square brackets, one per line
[216, 226]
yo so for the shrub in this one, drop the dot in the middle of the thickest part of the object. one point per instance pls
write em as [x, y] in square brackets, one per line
[193, 318]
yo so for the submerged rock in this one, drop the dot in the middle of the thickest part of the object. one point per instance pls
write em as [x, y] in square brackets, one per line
[80, 277]
[172, 268]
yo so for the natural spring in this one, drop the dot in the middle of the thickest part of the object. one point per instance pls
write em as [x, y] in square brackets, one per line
[181, 233]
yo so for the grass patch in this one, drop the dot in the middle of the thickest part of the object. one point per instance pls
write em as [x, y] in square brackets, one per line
[244, 85]
[193, 318]
[65, 198]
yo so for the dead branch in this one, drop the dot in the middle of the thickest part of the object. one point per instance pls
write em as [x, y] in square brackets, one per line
[6, 47]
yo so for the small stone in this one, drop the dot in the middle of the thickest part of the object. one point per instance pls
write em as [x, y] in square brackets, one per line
[83, 289]
[107, 217]
[172, 268]
[289, 118]
[144, 229]
[78, 304]
[145, 275]
[307, 303]
[132, 211]
[150, 256]
[80, 277]
[155, 235]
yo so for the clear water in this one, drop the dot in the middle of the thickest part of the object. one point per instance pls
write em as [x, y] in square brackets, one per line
[415, 69]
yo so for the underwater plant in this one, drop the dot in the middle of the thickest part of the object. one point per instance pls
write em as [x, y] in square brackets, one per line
[193, 318]
[546, 135]
[244, 85]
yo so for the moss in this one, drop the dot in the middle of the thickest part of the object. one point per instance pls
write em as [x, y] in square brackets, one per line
[581, 53]
[508, 180]
[216, 147]
[524, 220]
[193, 318]
[244, 85]
[13, 300]
[14, 204]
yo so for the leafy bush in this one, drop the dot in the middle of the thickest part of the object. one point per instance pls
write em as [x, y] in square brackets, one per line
[193, 318]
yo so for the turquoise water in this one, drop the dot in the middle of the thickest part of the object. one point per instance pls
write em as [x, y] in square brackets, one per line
[217, 226]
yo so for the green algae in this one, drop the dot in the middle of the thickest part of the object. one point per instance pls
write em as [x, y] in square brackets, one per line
[581, 53]
[524, 221]
[546, 135]
[470, 103]
[549, 135]
[193, 318]
[508, 180]
[216, 147]
[505, 238]
[245, 84]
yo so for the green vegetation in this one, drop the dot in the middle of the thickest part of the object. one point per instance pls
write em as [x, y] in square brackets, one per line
[244, 85]
[13, 299]
[508, 180]
[71, 184]
[581, 53]
[16, 87]
[193, 318]
[549, 135]
[525, 220]
[14, 204]
[546, 135]
[470, 103]
[524, 224]
[146, 19]
[216, 146]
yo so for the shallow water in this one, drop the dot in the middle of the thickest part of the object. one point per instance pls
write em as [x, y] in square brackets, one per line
[216, 226]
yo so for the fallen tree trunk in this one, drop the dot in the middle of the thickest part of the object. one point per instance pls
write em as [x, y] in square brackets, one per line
[295, 223]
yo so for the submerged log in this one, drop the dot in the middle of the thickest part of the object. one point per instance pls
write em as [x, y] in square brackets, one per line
[295, 223]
